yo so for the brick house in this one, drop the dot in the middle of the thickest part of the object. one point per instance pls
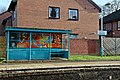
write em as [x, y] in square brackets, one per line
[112, 24]
[80, 16]
[6, 19]
[37, 13]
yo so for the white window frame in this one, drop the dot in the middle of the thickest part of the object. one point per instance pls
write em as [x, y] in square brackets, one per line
[73, 36]
[73, 13]
[118, 27]
[57, 12]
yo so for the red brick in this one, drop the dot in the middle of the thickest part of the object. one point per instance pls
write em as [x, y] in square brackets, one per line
[34, 13]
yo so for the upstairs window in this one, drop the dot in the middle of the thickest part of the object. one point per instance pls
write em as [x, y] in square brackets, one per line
[118, 25]
[73, 14]
[54, 12]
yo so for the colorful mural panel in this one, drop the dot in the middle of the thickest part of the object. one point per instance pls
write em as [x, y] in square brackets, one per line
[57, 41]
[43, 40]
[24, 40]
[39, 40]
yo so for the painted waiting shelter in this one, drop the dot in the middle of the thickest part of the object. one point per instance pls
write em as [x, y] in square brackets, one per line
[37, 44]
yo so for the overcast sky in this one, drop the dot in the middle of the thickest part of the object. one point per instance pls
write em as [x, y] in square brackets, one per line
[101, 2]
[5, 3]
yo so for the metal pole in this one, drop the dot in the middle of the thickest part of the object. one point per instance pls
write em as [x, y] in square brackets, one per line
[30, 46]
[7, 59]
[68, 45]
[102, 48]
[50, 46]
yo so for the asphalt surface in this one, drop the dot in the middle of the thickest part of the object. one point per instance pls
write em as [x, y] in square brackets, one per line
[7, 66]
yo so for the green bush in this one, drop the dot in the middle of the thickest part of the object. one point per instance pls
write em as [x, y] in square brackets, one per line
[2, 60]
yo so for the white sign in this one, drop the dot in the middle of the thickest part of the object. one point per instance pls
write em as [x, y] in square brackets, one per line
[102, 33]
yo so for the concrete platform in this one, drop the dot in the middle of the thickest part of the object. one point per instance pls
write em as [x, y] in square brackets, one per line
[10, 66]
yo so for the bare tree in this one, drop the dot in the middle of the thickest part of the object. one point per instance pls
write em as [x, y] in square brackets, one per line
[112, 7]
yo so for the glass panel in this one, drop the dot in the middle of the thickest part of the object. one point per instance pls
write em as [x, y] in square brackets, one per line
[14, 36]
[65, 42]
[45, 40]
[13, 44]
[56, 40]
[73, 14]
[40, 40]
[24, 40]
[118, 25]
[54, 12]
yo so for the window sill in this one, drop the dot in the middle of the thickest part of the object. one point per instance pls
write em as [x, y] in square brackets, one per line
[53, 18]
[73, 19]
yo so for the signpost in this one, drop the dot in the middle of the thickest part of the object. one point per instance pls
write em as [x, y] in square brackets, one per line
[102, 33]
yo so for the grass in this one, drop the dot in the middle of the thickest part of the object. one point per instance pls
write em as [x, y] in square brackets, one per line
[83, 58]
[89, 57]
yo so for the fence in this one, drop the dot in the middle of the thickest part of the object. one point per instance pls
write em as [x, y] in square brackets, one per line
[111, 46]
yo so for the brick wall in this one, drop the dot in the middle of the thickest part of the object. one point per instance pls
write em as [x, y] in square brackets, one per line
[93, 47]
[82, 46]
[34, 13]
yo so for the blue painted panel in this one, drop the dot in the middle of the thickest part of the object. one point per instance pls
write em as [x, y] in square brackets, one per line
[56, 50]
[65, 54]
[18, 55]
[37, 30]
[40, 54]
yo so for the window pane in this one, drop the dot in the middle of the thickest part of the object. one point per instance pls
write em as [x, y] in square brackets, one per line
[13, 44]
[70, 14]
[14, 36]
[73, 14]
[40, 40]
[56, 40]
[54, 12]
[45, 37]
[57, 13]
[118, 25]
[19, 40]
[24, 40]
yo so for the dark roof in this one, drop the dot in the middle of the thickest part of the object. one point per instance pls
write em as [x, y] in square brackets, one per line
[12, 5]
[115, 16]
[4, 15]
[94, 4]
